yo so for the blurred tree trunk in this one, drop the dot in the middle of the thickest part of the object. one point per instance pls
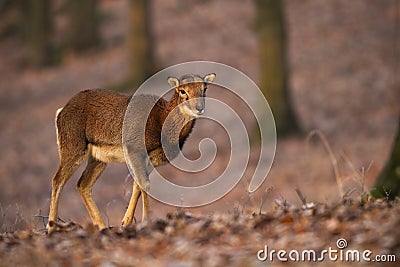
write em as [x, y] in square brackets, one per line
[274, 75]
[83, 21]
[36, 30]
[140, 43]
[388, 183]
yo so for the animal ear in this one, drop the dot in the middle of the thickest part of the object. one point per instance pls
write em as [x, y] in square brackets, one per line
[173, 82]
[209, 78]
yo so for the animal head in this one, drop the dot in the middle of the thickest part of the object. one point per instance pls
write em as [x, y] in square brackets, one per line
[191, 90]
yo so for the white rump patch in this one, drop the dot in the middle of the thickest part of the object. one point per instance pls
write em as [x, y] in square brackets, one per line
[58, 141]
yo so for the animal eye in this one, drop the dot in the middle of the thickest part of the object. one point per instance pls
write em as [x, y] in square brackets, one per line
[182, 92]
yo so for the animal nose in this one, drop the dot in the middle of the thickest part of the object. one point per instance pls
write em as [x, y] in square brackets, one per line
[200, 109]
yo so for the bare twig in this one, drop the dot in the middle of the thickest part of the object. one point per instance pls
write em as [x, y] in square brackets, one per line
[42, 217]
[301, 196]
[332, 158]
[348, 193]
[47, 217]
[360, 174]
[387, 193]
[264, 197]
[127, 192]
[363, 171]
[246, 199]
[61, 220]
[106, 213]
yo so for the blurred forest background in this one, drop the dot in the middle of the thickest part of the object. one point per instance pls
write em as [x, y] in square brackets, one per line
[330, 65]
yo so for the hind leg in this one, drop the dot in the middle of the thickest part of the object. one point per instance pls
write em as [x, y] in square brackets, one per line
[72, 148]
[65, 170]
[92, 172]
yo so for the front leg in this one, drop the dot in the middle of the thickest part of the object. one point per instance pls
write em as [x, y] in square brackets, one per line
[129, 214]
[146, 207]
[141, 185]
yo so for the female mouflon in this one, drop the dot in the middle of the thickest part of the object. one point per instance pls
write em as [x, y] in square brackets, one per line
[90, 126]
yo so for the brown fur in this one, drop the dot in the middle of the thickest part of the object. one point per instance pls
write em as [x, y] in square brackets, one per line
[90, 126]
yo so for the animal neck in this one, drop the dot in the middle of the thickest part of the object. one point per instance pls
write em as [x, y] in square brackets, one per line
[176, 124]
[173, 103]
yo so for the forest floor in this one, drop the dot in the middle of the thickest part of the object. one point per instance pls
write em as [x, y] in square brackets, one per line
[350, 233]
[343, 81]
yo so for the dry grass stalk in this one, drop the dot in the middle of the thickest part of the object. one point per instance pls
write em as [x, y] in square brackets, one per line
[332, 158]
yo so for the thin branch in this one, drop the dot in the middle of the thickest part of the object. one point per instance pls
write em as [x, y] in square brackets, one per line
[332, 158]
[43, 219]
[348, 193]
[264, 197]
[359, 173]
[301, 196]
[47, 217]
